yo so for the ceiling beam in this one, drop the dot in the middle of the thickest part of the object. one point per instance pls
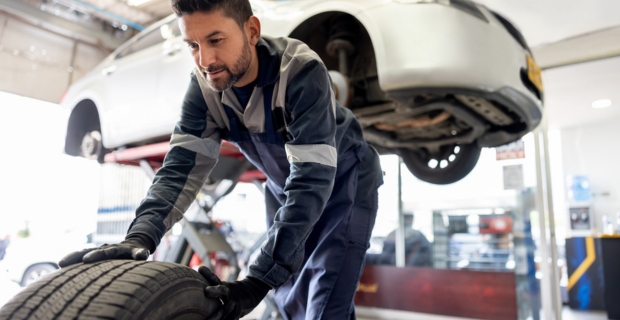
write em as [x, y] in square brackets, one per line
[597, 45]
[108, 14]
[60, 25]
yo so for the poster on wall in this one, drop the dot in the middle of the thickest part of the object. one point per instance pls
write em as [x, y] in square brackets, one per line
[579, 218]
[513, 177]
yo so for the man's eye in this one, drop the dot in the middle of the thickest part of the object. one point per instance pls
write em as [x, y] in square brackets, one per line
[216, 41]
[192, 45]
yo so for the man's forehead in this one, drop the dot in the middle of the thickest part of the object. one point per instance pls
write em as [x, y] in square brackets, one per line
[206, 23]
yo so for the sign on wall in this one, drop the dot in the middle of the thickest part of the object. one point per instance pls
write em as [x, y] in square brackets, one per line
[513, 150]
[513, 177]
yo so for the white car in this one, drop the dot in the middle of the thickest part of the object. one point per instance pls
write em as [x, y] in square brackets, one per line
[29, 259]
[431, 80]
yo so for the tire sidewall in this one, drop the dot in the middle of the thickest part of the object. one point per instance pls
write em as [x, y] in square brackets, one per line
[176, 299]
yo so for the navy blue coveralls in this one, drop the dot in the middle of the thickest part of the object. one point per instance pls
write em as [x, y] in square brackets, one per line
[321, 192]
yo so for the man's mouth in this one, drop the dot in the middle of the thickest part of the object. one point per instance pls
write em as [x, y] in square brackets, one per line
[213, 73]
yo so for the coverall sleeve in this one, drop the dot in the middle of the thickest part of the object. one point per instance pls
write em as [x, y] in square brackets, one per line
[194, 150]
[312, 156]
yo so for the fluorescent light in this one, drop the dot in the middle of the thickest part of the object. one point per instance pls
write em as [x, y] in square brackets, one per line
[600, 104]
[136, 3]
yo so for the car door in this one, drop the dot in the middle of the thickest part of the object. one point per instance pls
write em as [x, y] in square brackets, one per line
[130, 82]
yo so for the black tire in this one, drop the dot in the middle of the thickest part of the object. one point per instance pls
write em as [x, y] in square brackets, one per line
[33, 273]
[114, 289]
[465, 157]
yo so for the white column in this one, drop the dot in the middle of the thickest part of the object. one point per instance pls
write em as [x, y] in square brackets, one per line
[545, 283]
[400, 231]
[550, 287]
[555, 277]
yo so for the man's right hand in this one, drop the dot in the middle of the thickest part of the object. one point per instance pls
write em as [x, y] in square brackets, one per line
[134, 247]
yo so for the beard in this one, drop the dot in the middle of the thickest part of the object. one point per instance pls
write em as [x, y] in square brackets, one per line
[231, 75]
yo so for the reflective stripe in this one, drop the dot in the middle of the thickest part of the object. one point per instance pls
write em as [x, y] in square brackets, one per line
[195, 180]
[319, 153]
[206, 147]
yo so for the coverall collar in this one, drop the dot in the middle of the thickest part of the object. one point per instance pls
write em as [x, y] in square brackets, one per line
[268, 63]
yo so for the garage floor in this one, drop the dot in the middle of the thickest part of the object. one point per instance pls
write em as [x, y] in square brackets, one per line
[370, 314]
[10, 289]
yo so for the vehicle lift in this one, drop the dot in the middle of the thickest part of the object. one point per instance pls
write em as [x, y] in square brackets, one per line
[200, 237]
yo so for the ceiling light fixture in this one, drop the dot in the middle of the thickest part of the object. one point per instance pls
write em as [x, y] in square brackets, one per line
[135, 3]
[600, 104]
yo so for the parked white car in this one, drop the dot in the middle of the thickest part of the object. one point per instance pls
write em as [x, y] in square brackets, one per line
[29, 259]
[431, 80]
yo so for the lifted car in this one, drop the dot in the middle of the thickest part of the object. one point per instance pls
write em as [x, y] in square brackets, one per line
[433, 81]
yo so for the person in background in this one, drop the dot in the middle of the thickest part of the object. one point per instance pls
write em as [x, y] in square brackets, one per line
[417, 248]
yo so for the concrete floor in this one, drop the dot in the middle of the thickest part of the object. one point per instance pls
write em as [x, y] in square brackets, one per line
[569, 314]
[374, 314]
[9, 289]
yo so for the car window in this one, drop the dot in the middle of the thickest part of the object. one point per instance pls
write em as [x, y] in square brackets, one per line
[170, 30]
[148, 40]
[174, 29]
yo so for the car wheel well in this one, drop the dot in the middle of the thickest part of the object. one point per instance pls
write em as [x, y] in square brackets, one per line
[317, 32]
[53, 264]
[30, 268]
[84, 117]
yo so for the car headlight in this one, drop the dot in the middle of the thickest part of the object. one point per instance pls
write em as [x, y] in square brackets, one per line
[464, 5]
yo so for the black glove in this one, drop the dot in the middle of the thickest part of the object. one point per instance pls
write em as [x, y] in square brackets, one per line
[238, 297]
[135, 247]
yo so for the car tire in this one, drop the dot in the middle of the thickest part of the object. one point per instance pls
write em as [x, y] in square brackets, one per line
[115, 289]
[34, 272]
[465, 157]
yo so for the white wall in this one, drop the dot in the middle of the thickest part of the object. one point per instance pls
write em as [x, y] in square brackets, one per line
[39, 64]
[42, 186]
[593, 151]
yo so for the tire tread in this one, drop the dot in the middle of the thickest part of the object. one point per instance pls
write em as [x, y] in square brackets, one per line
[112, 289]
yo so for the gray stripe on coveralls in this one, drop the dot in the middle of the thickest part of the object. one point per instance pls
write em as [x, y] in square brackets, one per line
[195, 180]
[206, 146]
[319, 153]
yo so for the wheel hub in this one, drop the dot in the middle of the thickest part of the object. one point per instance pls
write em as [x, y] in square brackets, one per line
[91, 144]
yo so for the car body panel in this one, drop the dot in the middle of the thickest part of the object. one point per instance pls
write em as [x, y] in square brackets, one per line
[24, 253]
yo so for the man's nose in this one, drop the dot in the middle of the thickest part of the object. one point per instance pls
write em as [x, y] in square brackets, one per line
[206, 57]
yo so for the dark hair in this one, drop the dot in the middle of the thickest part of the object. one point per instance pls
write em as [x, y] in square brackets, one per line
[238, 10]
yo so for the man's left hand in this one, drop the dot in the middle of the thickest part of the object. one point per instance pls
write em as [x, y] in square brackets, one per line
[238, 297]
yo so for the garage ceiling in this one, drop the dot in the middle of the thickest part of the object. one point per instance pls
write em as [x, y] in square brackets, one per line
[548, 21]
[572, 89]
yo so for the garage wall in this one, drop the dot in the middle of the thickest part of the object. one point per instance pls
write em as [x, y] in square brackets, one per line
[591, 150]
[40, 64]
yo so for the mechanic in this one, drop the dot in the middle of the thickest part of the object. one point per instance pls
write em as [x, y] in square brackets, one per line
[418, 251]
[274, 99]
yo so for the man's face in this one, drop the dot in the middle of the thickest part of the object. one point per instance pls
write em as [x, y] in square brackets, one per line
[220, 48]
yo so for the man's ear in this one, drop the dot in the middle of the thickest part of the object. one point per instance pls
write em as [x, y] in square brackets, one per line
[252, 27]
